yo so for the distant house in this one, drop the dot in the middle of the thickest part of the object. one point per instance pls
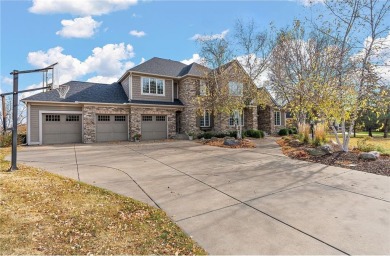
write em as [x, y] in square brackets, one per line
[154, 99]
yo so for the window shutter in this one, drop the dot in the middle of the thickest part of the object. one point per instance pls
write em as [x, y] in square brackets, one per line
[211, 120]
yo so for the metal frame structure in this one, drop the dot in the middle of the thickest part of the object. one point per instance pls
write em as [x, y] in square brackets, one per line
[15, 104]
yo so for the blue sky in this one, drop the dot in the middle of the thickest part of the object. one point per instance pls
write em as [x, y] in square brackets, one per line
[92, 39]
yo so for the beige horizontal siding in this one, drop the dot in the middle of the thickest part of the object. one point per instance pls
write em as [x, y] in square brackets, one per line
[34, 117]
[137, 90]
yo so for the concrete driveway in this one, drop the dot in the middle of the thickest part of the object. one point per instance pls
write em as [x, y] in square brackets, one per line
[238, 201]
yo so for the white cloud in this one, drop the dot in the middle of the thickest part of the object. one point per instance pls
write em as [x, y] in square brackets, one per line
[7, 80]
[103, 79]
[137, 33]
[80, 7]
[33, 86]
[111, 60]
[310, 2]
[79, 27]
[199, 37]
[142, 60]
[195, 58]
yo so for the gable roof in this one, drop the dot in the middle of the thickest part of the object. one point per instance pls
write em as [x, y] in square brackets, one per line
[170, 68]
[85, 92]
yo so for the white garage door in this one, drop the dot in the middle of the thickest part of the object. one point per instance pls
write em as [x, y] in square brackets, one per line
[111, 128]
[154, 127]
[61, 128]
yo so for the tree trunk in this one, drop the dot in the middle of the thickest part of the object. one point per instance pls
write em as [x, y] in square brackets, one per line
[354, 131]
[386, 128]
[370, 131]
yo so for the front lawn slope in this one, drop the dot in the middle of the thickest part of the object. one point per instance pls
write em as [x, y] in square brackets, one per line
[41, 213]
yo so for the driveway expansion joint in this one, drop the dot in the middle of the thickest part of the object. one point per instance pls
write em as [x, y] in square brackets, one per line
[246, 204]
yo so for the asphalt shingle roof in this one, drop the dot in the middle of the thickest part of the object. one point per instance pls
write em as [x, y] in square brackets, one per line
[85, 92]
[94, 93]
[170, 68]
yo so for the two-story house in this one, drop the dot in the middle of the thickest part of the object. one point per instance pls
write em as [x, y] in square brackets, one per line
[154, 99]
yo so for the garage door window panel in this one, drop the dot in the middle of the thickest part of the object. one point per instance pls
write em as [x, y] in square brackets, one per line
[72, 118]
[103, 118]
[53, 118]
[160, 118]
[147, 118]
[120, 118]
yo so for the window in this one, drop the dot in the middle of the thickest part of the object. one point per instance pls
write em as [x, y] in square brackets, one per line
[72, 118]
[146, 118]
[103, 118]
[160, 118]
[202, 88]
[235, 89]
[205, 119]
[152, 86]
[278, 120]
[52, 118]
[120, 118]
[236, 116]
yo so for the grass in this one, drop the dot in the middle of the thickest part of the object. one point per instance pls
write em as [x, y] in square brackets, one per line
[42, 213]
[377, 140]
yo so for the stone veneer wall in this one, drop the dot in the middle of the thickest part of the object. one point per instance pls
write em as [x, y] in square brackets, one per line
[187, 95]
[221, 123]
[250, 118]
[89, 119]
[136, 118]
[266, 119]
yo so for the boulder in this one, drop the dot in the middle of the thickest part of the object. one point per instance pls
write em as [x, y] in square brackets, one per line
[370, 156]
[230, 142]
[336, 147]
[328, 149]
[315, 152]
[296, 143]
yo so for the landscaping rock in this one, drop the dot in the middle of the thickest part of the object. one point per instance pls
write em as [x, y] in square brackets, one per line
[370, 156]
[336, 147]
[295, 143]
[230, 142]
[328, 149]
[315, 152]
[214, 138]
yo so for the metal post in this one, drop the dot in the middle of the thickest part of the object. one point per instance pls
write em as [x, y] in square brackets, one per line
[4, 111]
[14, 122]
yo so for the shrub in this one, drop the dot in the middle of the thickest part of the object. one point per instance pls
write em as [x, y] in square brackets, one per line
[220, 135]
[362, 145]
[254, 133]
[6, 140]
[233, 134]
[304, 132]
[293, 130]
[319, 134]
[283, 132]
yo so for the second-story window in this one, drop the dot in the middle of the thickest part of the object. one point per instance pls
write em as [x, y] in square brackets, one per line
[202, 88]
[153, 86]
[235, 89]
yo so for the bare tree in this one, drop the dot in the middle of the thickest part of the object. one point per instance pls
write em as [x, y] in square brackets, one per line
[8, 111]
[355, 74]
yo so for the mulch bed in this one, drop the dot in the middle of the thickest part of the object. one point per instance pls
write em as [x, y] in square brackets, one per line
[244, 143]
[341, 159]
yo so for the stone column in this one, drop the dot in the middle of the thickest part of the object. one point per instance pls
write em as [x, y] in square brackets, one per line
[89, 129]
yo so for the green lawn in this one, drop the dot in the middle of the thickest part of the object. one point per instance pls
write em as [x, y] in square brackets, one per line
[377, 140]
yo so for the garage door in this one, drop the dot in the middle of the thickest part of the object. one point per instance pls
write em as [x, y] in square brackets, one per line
[111, 128]
[61, 128]
[154, 127]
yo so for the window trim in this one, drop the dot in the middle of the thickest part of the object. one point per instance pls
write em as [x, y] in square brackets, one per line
[232, 117]
[280, 118]
[203, 118]
[242, 89]
[152, 94]
[202, 83]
